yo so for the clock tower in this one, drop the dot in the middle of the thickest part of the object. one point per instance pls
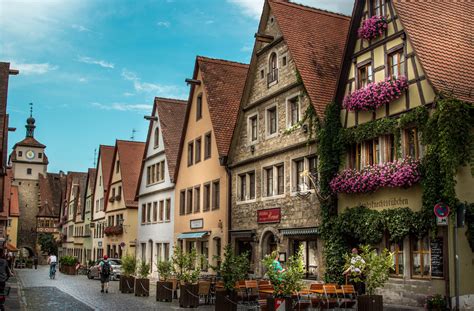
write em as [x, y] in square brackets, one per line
[28, 161]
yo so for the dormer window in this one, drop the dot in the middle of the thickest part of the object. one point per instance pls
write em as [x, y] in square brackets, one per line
[272, 76]
[156, 138]
[20, 153]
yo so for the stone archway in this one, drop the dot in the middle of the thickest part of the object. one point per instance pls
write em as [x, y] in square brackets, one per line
[268, 242]
[26, 252]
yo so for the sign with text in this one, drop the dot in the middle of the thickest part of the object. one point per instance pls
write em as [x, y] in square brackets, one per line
[196, 223]
[437, 260]
[271, 215]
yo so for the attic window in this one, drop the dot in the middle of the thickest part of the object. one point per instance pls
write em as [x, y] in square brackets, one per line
[272, 20]
[20, 153]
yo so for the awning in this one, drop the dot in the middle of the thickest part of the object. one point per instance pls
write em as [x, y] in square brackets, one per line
[300, 231]
[12, 247]
[192, 235]
[242, 233]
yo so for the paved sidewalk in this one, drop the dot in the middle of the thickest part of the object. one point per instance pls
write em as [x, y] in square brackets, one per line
[13, 301]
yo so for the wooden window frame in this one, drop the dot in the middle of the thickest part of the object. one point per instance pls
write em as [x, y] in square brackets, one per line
[414, 240]
[268, 120]
[207, 145]
[190, 153]
[416, 143]
[197, 199]
[197, 150]
[242, 187]
[182, 202]
[296, 173]
[355, 154]
[269, 181]
[396, 252]
[189, 201]
[199, 107]
[155, 211]
[397, 51]
[215, 196]
[251, 119]
[156, 138]
[290, 103]
[379, 4]
[161, 211]
[148, 212]
[207, 197]
[369, 78]
[252, 190]
[167, 210]
[144, 213]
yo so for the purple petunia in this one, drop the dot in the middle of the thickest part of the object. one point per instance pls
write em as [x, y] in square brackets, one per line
[372, 27]
[376, 94]
[402, 173]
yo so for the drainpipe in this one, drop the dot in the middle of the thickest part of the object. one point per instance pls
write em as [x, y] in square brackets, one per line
[224, 162]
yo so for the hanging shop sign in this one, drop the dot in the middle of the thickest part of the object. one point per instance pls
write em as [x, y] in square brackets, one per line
[271, 215]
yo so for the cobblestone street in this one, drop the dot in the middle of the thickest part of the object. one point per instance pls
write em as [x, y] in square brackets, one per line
[79, 293]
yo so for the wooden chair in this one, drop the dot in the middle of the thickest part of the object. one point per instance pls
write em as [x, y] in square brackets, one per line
[204, 288]
[251, 287]
[349, 297]
[331, 299]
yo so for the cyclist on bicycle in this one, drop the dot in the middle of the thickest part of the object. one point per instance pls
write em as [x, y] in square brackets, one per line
[52, 261]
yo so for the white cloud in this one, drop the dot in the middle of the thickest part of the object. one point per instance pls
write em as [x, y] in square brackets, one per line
[33, 69]
[163, 24]
[82, 80]
[90, 60]
[152, 88]
[123, 107]
[80, 28]
[253, 8]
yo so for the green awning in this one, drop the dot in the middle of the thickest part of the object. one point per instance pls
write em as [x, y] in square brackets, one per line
[300, 231]
[192, 235]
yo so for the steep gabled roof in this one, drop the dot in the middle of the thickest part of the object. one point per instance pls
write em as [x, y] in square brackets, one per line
[442, 35]
[316, 40]
[91, 176]
[130, 154]
[51, 194]
[29, 142]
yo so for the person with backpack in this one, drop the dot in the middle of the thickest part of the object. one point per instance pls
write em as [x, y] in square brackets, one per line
[105, 270]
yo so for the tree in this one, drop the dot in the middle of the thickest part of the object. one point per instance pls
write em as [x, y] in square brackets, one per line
[48, 243]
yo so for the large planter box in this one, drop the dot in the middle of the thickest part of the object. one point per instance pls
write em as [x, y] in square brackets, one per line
[225, 300]
[189, 296]
[69, 270]
[370, 303]
[164, 291]
[127, 284]
[279, 304]
[142, 287]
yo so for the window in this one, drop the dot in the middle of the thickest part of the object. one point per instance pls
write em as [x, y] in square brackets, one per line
[148, 212]
[197, 199]
[113, 192]
[155, 211]
[143, 252]
[110, 221]
[269, 181]
[117, 166]
[166, 251]
[198, 150]
[207, 197]
[119, 192]
[143, 213]
[364, 75]
[148, 175]
[271, 120]
[299, 180]
[199, 107]
[168, 210]
[204, 255]
[243, 187]
[190, 153]
[156, 138]
[284, 61]
[189, 198]
[372, 150]
[421, 257]
[389, 141]
[29, 171]
[395, 64]
[216, 194]
[162, 210]
[313, 170]
[354, 156]
[379, 7]
[251, 176]
[262, 74]
[280, 179]
[20, 153]
[397, 249]
[182, 202]
[411, 143]
[253, 128]
[272, 76]
[40, 155]
[162, 170]
[207, 145]
[293, 110]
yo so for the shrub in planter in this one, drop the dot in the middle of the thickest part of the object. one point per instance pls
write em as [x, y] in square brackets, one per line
[142, 283]
[127, 279]
[232, 269]
[186, 271]
[164, 287]
[374, 270]
[286, 282]
[436, 302]
[68, 265]
[372, 27]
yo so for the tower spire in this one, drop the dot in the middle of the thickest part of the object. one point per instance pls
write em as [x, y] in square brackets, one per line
[30, 123]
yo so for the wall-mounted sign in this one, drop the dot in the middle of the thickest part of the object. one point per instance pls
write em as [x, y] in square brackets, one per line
[122, 244]
[270, 215]
[99, 244]
[437, 260]
[196, 223]
[441, 210]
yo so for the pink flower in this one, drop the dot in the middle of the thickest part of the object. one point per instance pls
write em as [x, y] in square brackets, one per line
[372, 27]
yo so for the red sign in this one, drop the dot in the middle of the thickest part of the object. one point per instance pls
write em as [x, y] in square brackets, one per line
[268, 215]
[441, 210]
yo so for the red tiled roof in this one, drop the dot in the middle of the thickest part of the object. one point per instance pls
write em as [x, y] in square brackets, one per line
[171, 113]
[224, 83]
[29, 142]
[14, 202]
[51, 193]
[316, 40]
[106, 154]
[77, 178]
[442, 34]
[130, 154]
[91, 173]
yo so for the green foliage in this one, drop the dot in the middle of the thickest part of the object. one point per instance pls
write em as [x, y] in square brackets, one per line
[310, 120]
[436, 302]
[129, 265]
[68, 261]
[143, 270]
[48, 243]
[233, 268]
[470, 224]
[397, 222]
[165, 269]
[185, 265]
[371, 130]
[361, 225]
[416, 117]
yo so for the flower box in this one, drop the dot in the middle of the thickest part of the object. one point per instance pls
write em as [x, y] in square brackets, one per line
[372, 27]
[113, 230]
[402, 173]
[376, 94]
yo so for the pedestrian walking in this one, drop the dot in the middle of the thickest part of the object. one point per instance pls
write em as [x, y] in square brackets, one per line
[105, 270]
[35, 261]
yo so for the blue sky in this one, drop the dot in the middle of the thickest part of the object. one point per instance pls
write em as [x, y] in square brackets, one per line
[92, 68]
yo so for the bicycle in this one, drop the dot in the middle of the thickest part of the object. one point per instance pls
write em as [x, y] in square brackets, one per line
[52, 271]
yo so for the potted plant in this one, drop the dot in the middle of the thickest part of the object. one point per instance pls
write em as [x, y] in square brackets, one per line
[164, 286]
[436, 302]
[142, 282]
[187, 273]
[285, 282]
[232, 269]
[68, 265]
[127, 280]
[374, 271]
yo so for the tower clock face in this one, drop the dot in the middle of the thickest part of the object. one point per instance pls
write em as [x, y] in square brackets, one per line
[30, 154]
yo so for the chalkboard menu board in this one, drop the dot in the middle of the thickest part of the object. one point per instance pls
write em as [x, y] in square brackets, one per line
[436, 246]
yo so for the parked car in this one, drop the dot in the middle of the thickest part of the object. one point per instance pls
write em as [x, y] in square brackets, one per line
[116, 269]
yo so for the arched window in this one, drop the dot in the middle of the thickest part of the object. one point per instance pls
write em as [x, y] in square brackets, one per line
[156, 137]
[273, 62]
[272, 69]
